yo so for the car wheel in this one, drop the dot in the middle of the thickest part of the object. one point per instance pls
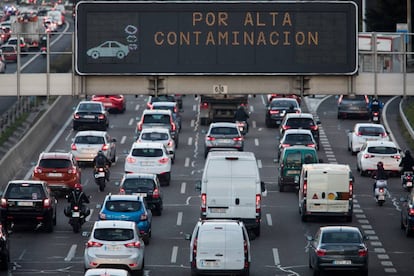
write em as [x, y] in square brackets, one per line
[49, 225]
[362, 172]
[95, 55]
[193, 272]
[303, 217]
[146, 240]
[256, 230]
[120, 55]
[168, 179]
[407, 230]
[141, 271]
[316, 272]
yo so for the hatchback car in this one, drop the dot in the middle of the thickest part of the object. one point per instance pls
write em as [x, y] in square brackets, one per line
[90, 115]
[113, 103]
[146, 185]
[161, 135]
[295, 137]
[278, 108]
[220, 246]
[338, 248]
[9, 53]
[373, 152]
[173, 107]
[353, 106]
[301, 121]
[223, 135]
[407, 214]
[149, 157]
[128, 207]
[363, 132]
[87, 143]
[59, 169]
[23, 45]
[115, 244]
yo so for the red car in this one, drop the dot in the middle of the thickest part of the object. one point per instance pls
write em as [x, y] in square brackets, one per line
[111, 102]
[9, 52]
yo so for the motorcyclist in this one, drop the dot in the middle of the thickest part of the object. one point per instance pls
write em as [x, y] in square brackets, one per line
[77, 198]
[375, 105]
[379, 174]
[101, 161]
[407, 162]
[242, 115]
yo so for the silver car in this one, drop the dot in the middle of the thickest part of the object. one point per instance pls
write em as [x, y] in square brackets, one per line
[223, 135]
[161, 135]
[115, 243]
[86, 145]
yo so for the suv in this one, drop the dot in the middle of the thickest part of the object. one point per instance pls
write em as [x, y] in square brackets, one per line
[175, 110]
[28, 202]
[158, 118]
[353, 106]
[223, 135]
[90, 115]
[301, 121]
[59, 169]
[219, 246]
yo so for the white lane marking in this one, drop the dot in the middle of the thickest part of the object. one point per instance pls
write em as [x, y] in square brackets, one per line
[190, 141]
[22, 255]
[183, 186]
[123, 139]
[174, 254]
[131, 121]
[259, 163]
[71, 253]
[179, 218]
[276, 256]
[269, 219]
[136, 107]
[254, 124]
[187, 162]
[256, 142]
[192, 123]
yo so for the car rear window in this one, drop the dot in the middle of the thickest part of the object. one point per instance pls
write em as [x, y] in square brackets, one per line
[371, 131]
[123, 205]
[113, 234]
[298, 138]
[283, 103]
[294, 159]
[25, 191]
[224, 131]
[300, 122]
[136, 183]
[89, 107]
[55, 163]
[156, 119]
[382, 150]
[154, 136]
[90, 140]
[341, 237]
[147, 152]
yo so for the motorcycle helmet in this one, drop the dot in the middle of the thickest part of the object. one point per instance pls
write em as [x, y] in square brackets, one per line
[380, 164]
[78, 187]
[100, 152]
[407, 152]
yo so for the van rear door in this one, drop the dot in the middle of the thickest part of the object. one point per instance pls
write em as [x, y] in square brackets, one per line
[234, 256]
[338, 193]
[219, 197]
[316, 194]
[211, 248]
[243, 203]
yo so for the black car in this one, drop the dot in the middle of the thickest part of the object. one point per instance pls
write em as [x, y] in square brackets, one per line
[338, 248]
[28, 202]
[4, 249]
[146, 185]
[278, 108]
[407, 214]
[353, 106]
[301, 121]
[90, 115]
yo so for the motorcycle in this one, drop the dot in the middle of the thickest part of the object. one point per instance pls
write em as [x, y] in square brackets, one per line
[375, 117]
[380, 191]
[407, 181]
[243, 128]
[76, 217]
[100, 177]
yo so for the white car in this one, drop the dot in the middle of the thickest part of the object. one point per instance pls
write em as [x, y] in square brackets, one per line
[220, 245]
[87, 143]
[117, 244]
[295, 137]
[374, 151]
[363, 132]
[107, 272]
[149, 157]
[161, 135]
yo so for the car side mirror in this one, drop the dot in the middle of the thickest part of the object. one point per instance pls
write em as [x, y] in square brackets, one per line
[187, 237]
[309, 238]
[198, 186]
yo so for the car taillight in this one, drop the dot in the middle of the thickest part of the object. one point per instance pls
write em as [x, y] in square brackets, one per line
[351, 189]
[410, 212]
[75, 208]
[305, 187]
[72, 170]
[105, 147]
[297, 111]
[122, 191]
[130, 159]
[258, 200]
[314, 128]
[3, 203]
[274, 112]
[396, 157]
[139, 126]
[101, 116]
[47, 203]
[285, 145]
[194, 251]
[156, 193]
[384, 134]
[203, 105]
[38, 170]
[164, 160]
[173, 127]
[93, 244]
[320, 252]
[203, 203]
[76, 116]
[238, 139]
[359, 133]
[367, 155]
[285, 127]
[136, 244]
[143, 216]
[381, 190]
[73, 147]
[246, 254]
[311, 145]
[209, 138]
[170, 143]
[362, 252]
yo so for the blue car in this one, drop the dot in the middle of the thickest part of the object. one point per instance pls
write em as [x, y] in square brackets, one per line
[131, 208]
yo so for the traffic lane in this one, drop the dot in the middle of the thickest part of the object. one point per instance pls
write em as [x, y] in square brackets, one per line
[385, 240]
[395, 125]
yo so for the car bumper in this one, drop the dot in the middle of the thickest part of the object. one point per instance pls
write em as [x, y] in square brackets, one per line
[113, 262]
[26, 217]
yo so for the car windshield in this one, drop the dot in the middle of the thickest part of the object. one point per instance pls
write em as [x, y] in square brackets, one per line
[90, 140]
[123, 205]
[341, 237]
[25, 191]
[147, 152]
[382, 150]
[113, 234]
[224, 131]
[134, 184]
[300, 122]
[156, 118]
[370, 131]
[55, 163]
[154, 136]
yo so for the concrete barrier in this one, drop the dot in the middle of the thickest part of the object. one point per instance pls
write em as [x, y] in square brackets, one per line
[34, 141]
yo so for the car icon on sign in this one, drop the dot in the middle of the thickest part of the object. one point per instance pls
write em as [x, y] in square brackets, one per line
[109, 49]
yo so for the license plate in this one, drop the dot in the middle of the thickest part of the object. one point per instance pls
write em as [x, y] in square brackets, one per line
[218, 210]
[409, 184]
[25, 203]
[75, 214]
[146, 163]
[140, 194]
[381, 197]
[114, 247]
[375, 119]
[89, 117]
[99, 174]
[293, 172]
[224, 141]
[54, 174]
[107, 104]
[342, 262]
[210, 263]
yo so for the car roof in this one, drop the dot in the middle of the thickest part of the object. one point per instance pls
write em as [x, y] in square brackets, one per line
[156, 111]
[162, 103]
[155, 129]
[297, 131]
[114, 224]
[223, 124]
[229, 154]
[212, 223]
[339, 228]
[91, 133]
[139, 175]
[375, 143]
[111, 197]
[369, 125]
[299, 115]
[144, 145]
[55, 155]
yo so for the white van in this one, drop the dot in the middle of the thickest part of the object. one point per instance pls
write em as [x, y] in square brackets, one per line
[326, 190]
[231, 188]
[220, 246]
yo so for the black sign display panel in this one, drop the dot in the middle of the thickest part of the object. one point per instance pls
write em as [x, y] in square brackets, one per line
[216, 38]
